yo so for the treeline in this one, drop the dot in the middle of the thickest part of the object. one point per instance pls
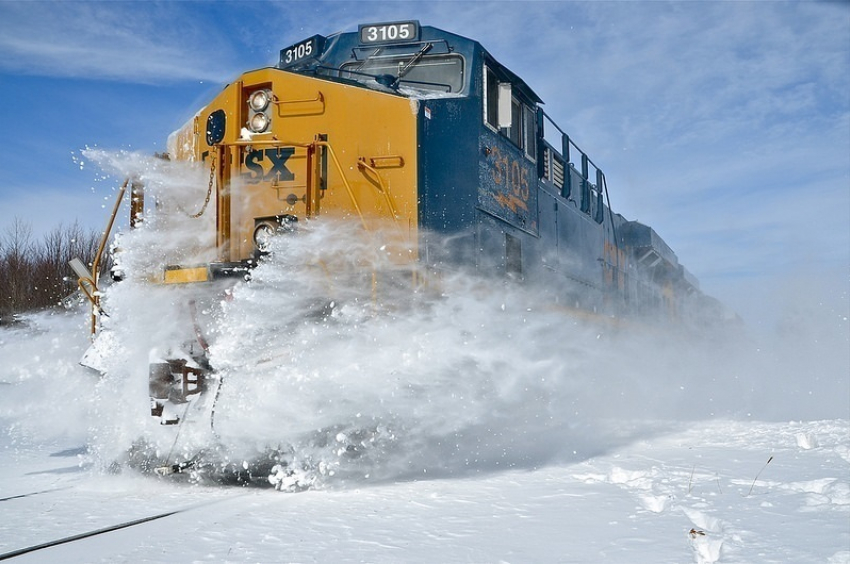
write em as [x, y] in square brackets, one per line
[34, 273]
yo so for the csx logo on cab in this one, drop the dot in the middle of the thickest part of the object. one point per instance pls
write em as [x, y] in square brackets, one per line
[268, 165]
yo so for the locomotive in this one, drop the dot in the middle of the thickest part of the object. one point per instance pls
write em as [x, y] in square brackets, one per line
[422, 136]
[423, 131]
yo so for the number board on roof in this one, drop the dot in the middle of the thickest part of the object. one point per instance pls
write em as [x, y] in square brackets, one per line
[394, 32]
[301, 52]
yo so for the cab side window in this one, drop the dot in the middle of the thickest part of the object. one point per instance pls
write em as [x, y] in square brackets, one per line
[491, 101]
[522, 118]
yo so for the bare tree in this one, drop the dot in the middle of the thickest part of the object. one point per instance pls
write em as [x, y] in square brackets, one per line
[36, 275]
[17, 266]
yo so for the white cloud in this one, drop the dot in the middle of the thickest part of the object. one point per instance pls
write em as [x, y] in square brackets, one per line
[135, 42]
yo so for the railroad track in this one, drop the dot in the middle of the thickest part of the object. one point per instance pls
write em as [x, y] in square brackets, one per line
[102, 530]
[20, 496]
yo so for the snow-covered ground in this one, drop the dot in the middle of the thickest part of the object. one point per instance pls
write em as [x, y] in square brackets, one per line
[697, 492]
[468, 423]
[606, 489]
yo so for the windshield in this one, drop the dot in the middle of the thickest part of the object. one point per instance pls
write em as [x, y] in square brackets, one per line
[442, 73]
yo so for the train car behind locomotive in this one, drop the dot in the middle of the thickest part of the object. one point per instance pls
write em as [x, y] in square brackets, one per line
[422, 137]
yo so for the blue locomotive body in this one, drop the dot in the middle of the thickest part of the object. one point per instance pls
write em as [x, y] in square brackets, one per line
[512, 192]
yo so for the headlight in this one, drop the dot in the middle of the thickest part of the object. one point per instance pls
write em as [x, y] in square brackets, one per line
[259, 122]
[263, 234]
[259, 100]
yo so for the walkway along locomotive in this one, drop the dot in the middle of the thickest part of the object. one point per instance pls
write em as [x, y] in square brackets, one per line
[421, 134]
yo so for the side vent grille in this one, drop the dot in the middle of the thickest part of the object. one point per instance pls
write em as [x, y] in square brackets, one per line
[558, 173]
[553, 169]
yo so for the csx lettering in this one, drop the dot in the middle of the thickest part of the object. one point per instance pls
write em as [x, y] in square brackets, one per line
[254, 162]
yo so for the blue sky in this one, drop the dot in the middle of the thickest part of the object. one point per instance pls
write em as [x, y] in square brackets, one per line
[724, 125]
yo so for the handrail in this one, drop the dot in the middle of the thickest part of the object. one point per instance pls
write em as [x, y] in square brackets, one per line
[361, 164]
[601, 183]
[566, 142]
[83, 282]
[344, 180]
[273, 142]
[386, 161]
[319, 98]
[96, 263]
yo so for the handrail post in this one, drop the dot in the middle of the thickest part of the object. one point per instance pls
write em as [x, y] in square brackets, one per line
[361, 163]
[94, 295]
[344, 181]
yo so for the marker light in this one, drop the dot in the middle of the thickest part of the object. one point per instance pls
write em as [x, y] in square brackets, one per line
[259, 100]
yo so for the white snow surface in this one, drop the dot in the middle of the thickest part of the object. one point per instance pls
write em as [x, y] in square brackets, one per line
[487, 426]
[685, 492]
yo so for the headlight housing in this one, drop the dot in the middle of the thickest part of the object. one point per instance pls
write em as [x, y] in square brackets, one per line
[266, 228]
[259, 100]
[259, 114]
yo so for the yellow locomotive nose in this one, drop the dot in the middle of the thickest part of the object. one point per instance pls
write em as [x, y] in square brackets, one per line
[284, 144]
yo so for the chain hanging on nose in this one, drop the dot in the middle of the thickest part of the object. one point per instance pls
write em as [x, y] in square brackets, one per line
[209, 191]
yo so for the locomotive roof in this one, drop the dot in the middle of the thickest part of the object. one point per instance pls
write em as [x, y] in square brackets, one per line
[338, 49]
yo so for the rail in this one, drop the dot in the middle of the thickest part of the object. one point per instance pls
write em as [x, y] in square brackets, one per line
[112, 528]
